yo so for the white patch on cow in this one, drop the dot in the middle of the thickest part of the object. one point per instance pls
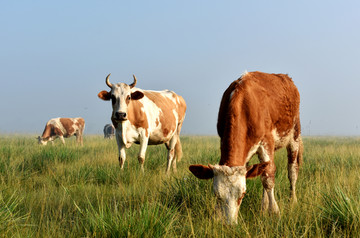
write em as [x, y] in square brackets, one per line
[282, 140]
[229, 187]
[244, 73]
[176, 116]
[263, 154]
[56, 122]
[123, 131]
[295, 143]
[121, 92]
[129, 133]
[41, 141]
[252, 151]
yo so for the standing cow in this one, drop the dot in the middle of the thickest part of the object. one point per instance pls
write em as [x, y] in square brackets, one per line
[63, 127]
[109, 131]
[259, 113]
[145, 117]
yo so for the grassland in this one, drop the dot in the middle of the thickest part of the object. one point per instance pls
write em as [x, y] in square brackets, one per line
[71, 191]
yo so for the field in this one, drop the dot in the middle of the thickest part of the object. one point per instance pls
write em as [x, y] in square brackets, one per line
[71, 191]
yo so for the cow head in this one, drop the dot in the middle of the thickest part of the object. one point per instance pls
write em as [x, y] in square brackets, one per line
[42, 141]
[229, 185]
[120, 95]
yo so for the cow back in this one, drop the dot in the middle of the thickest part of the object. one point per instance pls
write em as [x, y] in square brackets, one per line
[252, 108]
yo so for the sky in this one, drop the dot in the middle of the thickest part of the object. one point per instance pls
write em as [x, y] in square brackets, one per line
[55, 55]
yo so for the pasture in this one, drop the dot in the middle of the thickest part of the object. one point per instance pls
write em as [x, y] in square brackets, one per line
[72, 191]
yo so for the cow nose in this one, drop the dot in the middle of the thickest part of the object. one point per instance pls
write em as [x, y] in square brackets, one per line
[120, 115]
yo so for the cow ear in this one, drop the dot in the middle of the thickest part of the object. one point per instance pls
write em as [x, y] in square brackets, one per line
[104, 95]
[137, 95]
[256, 169]
[201, 171]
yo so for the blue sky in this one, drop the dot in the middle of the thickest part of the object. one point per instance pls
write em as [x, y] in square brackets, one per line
[55, 55]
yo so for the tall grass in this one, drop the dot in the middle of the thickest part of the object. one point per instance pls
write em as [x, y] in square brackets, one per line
[72, 191]
[341, 212]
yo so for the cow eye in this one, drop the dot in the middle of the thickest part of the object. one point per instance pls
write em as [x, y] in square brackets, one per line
[128, 98]
[113, 99]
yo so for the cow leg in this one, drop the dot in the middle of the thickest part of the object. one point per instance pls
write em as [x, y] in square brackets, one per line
[62, 139]
[121, 148]
[294, 150]
[265, 201]
[171, 155]
[79, 139]
[263, 157]
[143, 146]
[268, 180]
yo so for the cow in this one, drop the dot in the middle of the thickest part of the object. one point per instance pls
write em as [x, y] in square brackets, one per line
[109, 131]
[147, 118]
[259, 113]
[63, 127]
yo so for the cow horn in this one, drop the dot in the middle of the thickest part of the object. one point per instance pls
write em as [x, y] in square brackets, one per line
[134, 83]
[107, 81]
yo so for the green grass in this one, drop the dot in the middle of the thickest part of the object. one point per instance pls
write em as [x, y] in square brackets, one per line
[72, 191]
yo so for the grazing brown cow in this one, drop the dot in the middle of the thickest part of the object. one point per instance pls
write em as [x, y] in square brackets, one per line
[259, 113]
[63, 127]
[147, 118]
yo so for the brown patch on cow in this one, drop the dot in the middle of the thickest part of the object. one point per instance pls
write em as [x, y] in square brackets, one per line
[57, 131]
[68, 125]
[47, 132]
[167, 117]
[136, 115]
[80, 123]
[50, 131]
[259, 103]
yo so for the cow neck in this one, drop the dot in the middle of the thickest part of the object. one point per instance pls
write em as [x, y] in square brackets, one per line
[234, 148]
[47, 132]
[234, 140]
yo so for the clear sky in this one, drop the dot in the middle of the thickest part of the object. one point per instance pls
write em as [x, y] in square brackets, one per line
[55, 55]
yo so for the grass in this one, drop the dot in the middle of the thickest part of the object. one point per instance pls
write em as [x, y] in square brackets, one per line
[71, 191]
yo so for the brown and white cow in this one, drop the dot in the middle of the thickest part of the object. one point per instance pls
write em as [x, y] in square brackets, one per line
[147, 118]
[259, 113]
[63, 127]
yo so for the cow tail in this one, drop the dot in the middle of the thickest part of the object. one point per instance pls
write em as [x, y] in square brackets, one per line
[178, 150]
[300, 152]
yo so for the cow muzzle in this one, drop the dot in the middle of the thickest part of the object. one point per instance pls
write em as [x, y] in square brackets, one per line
[120, 116]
